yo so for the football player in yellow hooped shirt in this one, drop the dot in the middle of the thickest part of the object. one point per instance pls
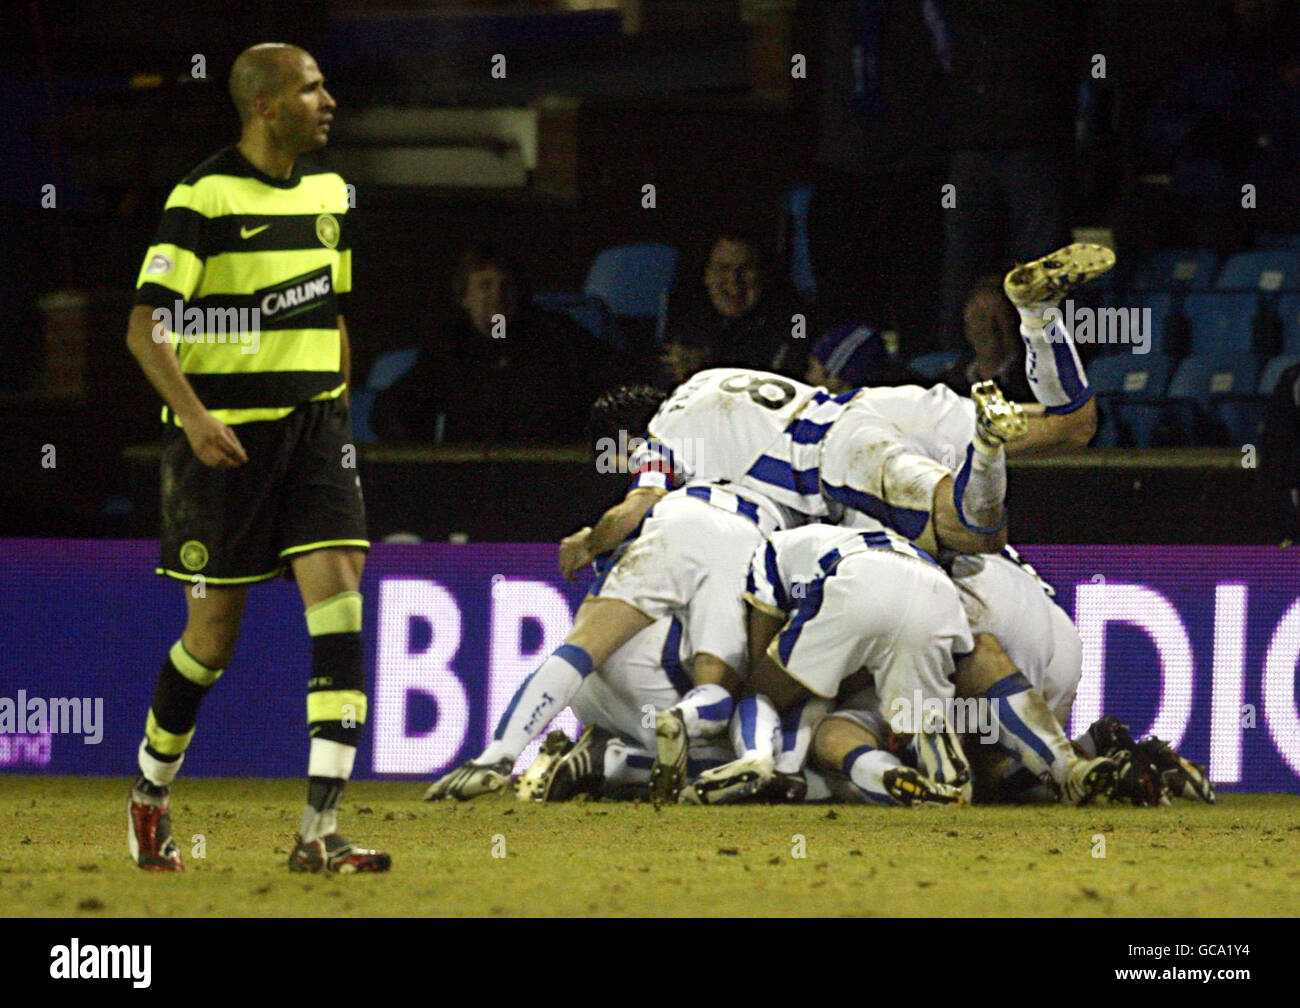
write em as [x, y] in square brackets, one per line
[239, 326]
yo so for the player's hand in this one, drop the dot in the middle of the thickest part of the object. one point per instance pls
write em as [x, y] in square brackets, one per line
[574, 554]
[213, 443]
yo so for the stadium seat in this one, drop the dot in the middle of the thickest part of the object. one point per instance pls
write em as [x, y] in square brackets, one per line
[1129, 375]
[1211, 395]
[1288, 307]
[389, 366]
[1177, 269]
[362, 401]
[1278, 241]
[634, 281]
[1266, 269]
[933, 364]
[794, 240]
[589, 312]
[1158, 304]
[1221, 320]
[1130, 389]
[1272, 371]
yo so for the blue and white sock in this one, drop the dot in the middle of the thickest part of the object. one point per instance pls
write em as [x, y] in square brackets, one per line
[706, 710]
[536, 702]
[754, 726]
[626, 764]
[797, 731]
[1052, 364]
[980, 488]
[1028, 730]
[865, 768]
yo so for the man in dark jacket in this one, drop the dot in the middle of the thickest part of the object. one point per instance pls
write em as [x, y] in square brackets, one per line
[499, 370]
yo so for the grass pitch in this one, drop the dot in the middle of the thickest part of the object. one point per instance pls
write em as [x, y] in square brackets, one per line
[497, 856]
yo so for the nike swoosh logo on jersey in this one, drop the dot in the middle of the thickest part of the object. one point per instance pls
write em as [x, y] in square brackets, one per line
[249, 232]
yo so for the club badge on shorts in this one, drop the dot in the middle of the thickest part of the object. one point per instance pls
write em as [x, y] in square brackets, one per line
[194, 555]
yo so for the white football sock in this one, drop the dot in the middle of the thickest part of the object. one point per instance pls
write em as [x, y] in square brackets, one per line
[865, 768]
[980, 488]
[626, 764]
[1052, 364]
[797, 731]
[536, 702]
[158, 772]
[754, 726]
[706, 710]
[1028, 729]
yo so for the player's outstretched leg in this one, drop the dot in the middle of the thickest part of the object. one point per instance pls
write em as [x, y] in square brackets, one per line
[844, 749]
[600, 627]
[980, 486]
[1027, 727]
[1052, 363]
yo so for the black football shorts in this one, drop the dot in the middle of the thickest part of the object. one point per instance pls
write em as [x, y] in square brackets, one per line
[299, 491]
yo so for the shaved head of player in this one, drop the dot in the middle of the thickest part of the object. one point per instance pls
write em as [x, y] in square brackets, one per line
[284, 109]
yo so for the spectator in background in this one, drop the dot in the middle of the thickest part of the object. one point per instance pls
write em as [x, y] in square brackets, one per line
[499, 370]
[745, 318]
[1229, 116]
[851, 356]
[874, 227]
[1013, 102]
[994, 347]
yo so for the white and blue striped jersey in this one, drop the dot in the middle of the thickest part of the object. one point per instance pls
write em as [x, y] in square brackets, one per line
[759, 431]
[782, 567]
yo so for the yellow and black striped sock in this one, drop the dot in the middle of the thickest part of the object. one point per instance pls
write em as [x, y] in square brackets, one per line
[336, 706]
[169, 727]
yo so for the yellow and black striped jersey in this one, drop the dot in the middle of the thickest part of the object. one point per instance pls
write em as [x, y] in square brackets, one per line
[247, 277]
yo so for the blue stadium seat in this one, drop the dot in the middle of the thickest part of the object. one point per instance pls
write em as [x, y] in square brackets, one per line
[1221, 320]
[1177, 269]
[1130, 389]
[794, 240]
[389, 366]
[933, 364]
[1278, 241]
[1267, 269]
[1213, 396]
[1243, 415]
[1272, 371]
[1288, 307]
[362, 401]
[589, 312]
[634, 281]
[1158, 304]
[1129, 375]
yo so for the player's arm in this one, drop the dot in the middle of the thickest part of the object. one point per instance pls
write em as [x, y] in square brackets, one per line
[615, 525]
[213, 442]
[762, 625]
[1053, 433]
[345, 358]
